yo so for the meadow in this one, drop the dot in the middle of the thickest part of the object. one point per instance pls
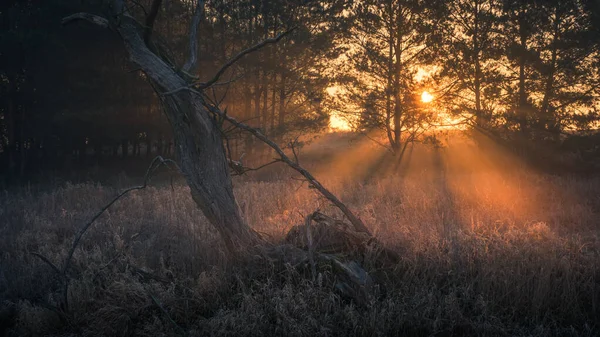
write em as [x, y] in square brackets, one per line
[488, 246]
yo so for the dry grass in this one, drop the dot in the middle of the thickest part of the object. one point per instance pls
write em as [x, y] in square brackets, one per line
[484, 252]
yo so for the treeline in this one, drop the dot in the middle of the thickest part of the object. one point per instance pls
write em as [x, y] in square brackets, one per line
[526, 69]
[68, 98]
[519, 69]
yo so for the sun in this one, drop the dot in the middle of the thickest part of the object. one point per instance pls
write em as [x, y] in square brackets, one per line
[426, 97]
[337, 123]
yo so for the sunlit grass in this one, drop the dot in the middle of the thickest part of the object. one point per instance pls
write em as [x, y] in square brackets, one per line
[487, 245]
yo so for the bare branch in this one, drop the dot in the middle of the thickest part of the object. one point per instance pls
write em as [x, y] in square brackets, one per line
[293, 145]
[190, 64]
[180, 89]
[227, 65]
[137, 3]
[95, 19]
[239, 169]
[243, 53]
[359, 226]
[150, 19]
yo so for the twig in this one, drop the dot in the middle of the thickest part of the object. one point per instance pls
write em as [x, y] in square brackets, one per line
[356, 222]
[293, 147]
[232, 61]
[137, 3]
[242, 54]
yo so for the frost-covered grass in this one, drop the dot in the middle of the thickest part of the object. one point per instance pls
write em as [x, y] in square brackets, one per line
[483, 252]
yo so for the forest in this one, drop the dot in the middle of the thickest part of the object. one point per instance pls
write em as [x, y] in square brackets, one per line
[300, 168]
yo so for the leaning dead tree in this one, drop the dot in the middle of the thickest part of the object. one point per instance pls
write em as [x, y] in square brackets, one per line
[195, 122]
[322, 244]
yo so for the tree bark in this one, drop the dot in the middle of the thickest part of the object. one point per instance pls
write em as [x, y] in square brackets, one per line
[523, 106]
[397, 97]
[282, 97]
[10, 118]
[477, 80]
[125, 148]
[197, 140]
[545, 114]
[273, 100]
[257, 98]
[389, 89]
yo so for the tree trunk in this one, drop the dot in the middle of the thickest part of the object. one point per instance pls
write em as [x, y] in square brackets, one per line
[397, 97]
[124, 148]
[273, 99]
[197, 141]
[22, 144]
[281, 120]
[248, 140]
[389, 89]
[265, 105]
[11, 133]
[159, 145]
[545, 114]
[148, 146]
[97, 151]
[257, 98]
[523, 106]
[477, 80]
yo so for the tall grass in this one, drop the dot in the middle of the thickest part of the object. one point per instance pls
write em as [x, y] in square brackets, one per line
[482, 253]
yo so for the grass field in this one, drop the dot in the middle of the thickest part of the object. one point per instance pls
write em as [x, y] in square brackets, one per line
[488, 247]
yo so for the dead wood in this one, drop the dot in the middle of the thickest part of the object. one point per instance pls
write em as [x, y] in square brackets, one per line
[324, 242]
[196, 126]
[327, 235]
[197, 132]
[359, 226]
[331, 236]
